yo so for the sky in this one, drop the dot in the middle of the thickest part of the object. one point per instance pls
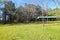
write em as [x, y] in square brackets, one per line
[50, 3]
[35, 2]
[42, 3]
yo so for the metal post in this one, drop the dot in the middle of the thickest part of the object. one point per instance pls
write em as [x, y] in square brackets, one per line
[42, 12]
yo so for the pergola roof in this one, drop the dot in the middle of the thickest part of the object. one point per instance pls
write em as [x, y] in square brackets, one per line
[47, 17]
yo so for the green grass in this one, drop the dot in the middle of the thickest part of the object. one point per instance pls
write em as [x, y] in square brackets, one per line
[30, 31]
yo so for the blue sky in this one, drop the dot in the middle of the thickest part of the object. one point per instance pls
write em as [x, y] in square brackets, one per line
[35, 2]
[18, 3]
[51, 4]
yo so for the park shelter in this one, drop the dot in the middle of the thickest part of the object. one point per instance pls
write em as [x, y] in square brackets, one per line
[47, 18]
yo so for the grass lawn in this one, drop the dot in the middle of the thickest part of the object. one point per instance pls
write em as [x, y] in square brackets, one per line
[30, 31]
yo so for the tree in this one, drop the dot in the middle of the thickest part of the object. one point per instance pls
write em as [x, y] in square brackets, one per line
[31, 12]
[19, 16]
[9, 11]
[2, 2]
